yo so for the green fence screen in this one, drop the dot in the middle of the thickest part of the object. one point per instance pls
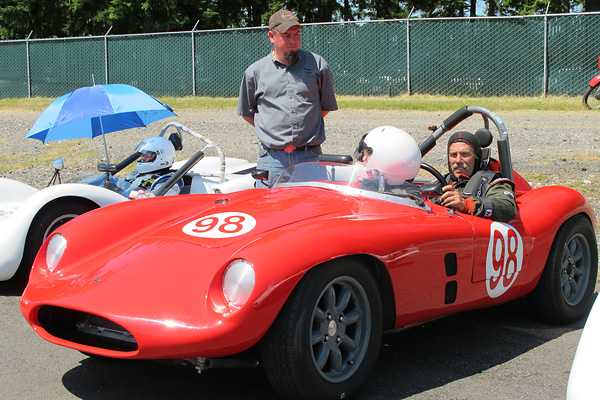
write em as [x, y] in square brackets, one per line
[552, 55]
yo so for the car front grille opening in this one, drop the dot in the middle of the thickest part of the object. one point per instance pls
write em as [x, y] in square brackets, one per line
[87, 329]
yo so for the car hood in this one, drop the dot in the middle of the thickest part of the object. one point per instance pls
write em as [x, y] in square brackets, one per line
[231, 218]
[169, 224]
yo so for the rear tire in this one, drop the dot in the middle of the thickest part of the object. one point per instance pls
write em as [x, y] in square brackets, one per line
[325, 341]
[565, 291]
[591, 98]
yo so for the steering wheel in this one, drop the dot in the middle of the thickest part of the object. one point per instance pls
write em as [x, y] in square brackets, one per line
[436, 187]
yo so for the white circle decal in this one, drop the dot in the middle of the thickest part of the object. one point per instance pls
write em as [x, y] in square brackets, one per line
[504, 258]
[222, 225]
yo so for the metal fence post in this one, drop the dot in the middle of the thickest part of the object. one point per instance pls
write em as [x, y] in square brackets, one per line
[28, 68]
[545, 78]
[194, 60]
[106, 56]
[408, 88]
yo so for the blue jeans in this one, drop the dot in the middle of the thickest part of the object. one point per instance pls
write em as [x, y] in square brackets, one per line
[275, 161]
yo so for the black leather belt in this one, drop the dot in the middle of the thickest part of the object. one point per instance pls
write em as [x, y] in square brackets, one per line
[291, 148]
[304, 148]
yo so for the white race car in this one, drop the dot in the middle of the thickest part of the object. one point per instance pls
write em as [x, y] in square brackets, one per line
[584, 371]
[29, 215]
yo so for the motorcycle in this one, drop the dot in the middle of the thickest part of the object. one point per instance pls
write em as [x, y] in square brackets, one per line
[591, 98]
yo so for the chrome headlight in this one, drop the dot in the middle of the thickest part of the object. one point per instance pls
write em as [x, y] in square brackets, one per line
[238, 282]
[54, 250]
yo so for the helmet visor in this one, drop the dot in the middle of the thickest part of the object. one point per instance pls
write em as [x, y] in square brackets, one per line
[362, 152]
[148, 156]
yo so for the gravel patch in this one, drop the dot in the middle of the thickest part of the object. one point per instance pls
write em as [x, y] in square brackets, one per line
[547, 147]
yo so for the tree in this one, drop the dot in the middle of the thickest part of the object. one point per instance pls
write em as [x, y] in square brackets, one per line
[19, 17]
[86, 17]
[591, 5]
[94, 17]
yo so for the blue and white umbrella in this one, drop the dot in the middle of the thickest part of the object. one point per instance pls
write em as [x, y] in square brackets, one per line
[95, 110]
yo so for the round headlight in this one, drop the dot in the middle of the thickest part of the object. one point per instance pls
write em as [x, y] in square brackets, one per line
[238, 282]
[54, 250]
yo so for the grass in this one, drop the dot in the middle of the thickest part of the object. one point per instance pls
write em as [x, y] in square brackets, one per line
[535, 177]
[51, 152]
[585, 157]
[404, 102]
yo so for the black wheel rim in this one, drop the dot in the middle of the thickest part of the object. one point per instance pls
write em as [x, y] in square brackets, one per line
[341, 320]
[575, 269]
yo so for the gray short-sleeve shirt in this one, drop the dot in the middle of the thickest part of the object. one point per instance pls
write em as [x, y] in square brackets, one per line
[286, 103]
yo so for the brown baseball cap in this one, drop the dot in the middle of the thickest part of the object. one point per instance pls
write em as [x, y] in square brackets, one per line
[283, 20]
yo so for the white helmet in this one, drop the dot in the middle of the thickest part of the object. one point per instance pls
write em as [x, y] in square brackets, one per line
[157, 153]
[391, 152]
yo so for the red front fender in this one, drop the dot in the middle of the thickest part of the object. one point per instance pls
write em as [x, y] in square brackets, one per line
[595, 80]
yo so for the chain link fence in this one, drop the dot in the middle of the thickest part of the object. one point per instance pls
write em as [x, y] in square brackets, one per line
[522, 56]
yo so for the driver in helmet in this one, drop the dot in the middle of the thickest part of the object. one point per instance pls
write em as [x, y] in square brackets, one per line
[152, 168]
[390, 158]
[473, 189]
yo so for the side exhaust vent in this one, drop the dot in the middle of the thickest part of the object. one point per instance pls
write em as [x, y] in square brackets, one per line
[450, 295]
[451, 264]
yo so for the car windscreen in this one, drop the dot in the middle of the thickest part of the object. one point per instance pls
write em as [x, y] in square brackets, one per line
[337, 176]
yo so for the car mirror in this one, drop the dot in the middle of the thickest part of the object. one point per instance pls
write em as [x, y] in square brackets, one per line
[58, 164]
[260, 174]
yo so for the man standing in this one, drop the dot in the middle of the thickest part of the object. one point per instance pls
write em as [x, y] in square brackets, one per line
[285, 96]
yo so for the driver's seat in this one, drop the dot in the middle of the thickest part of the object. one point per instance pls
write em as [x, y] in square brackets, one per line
[176, 140]
[488, 163]
[484, 136]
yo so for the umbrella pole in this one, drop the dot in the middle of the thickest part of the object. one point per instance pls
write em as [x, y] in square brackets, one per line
[104, 138]
[105, 148]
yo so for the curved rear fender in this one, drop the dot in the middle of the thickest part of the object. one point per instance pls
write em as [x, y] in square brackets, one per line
[543, 259]
[545, 209]
[559, 205]
[14, 230]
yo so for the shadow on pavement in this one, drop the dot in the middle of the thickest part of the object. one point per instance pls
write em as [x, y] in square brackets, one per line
[13, 287]
[410, 362]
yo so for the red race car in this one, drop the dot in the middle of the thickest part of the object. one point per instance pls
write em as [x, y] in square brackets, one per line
[304, 278]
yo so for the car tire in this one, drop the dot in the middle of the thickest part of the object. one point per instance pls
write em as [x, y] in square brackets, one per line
[325, 341]
[48, 219]
[565, 290]
[591, 97]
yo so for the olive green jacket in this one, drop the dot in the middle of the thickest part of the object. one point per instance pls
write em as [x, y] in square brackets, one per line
[494, 198]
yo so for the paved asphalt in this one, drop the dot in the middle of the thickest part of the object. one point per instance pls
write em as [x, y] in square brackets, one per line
[498, 353]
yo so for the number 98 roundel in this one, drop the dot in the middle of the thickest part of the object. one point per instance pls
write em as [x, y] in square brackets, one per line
[222, 225]
[504, 258]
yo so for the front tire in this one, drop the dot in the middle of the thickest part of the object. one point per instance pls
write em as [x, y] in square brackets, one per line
[565, 291]
[591, 98]
[49, 218]
[325, 341]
